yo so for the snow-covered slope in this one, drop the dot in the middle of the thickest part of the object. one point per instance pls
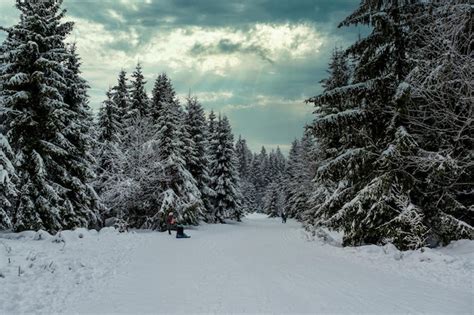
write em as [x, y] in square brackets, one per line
[258, 266]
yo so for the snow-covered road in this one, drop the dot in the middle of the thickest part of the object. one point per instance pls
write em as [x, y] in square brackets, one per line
[263, 266]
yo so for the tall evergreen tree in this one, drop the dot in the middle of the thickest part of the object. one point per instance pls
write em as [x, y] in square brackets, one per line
[121, 96]
[108, 142]
[139, 102]
[196, 150]
[244, 157]
[225, 181]
[109, 120]
[44, 119]
[244, 163]
[163, 93]
[212, 124]
[273, 200]
[366, 135]
[177, 187]
[261, 176]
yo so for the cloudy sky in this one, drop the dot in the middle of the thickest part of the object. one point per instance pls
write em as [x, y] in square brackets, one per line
[254, 60]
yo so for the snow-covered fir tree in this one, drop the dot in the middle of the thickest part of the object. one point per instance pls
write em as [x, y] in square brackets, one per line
[260, 176]
[211, 125]
[121, 96]
[224, 173]
[107, 148]
[78, 133]
[177, 188]
[297, 179]
[196, 150]
[329, 194]
[139, 102]
[370, 142]
[45, 121]
[244, 162]
[109, 120]
[163, 93]
[244, 157]
[273, 200]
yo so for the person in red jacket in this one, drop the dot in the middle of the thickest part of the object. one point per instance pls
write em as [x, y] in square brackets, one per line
[170, 222]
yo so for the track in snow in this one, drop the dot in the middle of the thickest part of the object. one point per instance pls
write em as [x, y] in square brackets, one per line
[259, 266]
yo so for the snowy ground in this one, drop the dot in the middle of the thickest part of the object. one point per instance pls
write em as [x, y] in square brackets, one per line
[258, 266]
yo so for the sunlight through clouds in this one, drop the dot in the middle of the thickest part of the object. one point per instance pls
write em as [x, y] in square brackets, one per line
[249, 59]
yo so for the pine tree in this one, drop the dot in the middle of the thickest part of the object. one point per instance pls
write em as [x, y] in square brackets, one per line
[330, 192]
[47, 122]
[273, 201]
[109, 120]
[225, 181]
[139, 102]
[363, 124]
[84, 201]
[244, 161]
[212, 124]
[292, 180]
[261, 176]
[121, 96]
[163, 93]
[108, 142]
[280, 162]
[178, 191]
[196, 150]
[254, 180]
[244, 157]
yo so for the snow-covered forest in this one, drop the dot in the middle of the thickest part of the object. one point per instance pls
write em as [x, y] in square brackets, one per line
[388, 159]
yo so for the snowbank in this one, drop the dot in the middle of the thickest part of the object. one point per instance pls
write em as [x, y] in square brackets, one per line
[452, 265]
[40, 273]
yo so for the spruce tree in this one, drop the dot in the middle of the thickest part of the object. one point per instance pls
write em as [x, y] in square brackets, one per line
[366, 136]
[139, 102]
[163, 93]
[244, 163]
[108, 142]
[244, 157]
[261, 176]
[177, 188]
[46, 121]
[273, 201]
[109, 120]
[121, 96]
[196, 150]
[224, 173]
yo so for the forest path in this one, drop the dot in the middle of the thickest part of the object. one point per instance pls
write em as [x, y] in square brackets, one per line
[260, 266]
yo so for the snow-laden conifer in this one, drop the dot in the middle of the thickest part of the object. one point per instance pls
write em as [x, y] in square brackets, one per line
[47, 121]
[139, 102]
[196, 150]
[224, 173]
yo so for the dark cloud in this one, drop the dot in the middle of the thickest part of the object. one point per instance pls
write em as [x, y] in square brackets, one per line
[209, 13]
[265, 103]
[227, 46]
